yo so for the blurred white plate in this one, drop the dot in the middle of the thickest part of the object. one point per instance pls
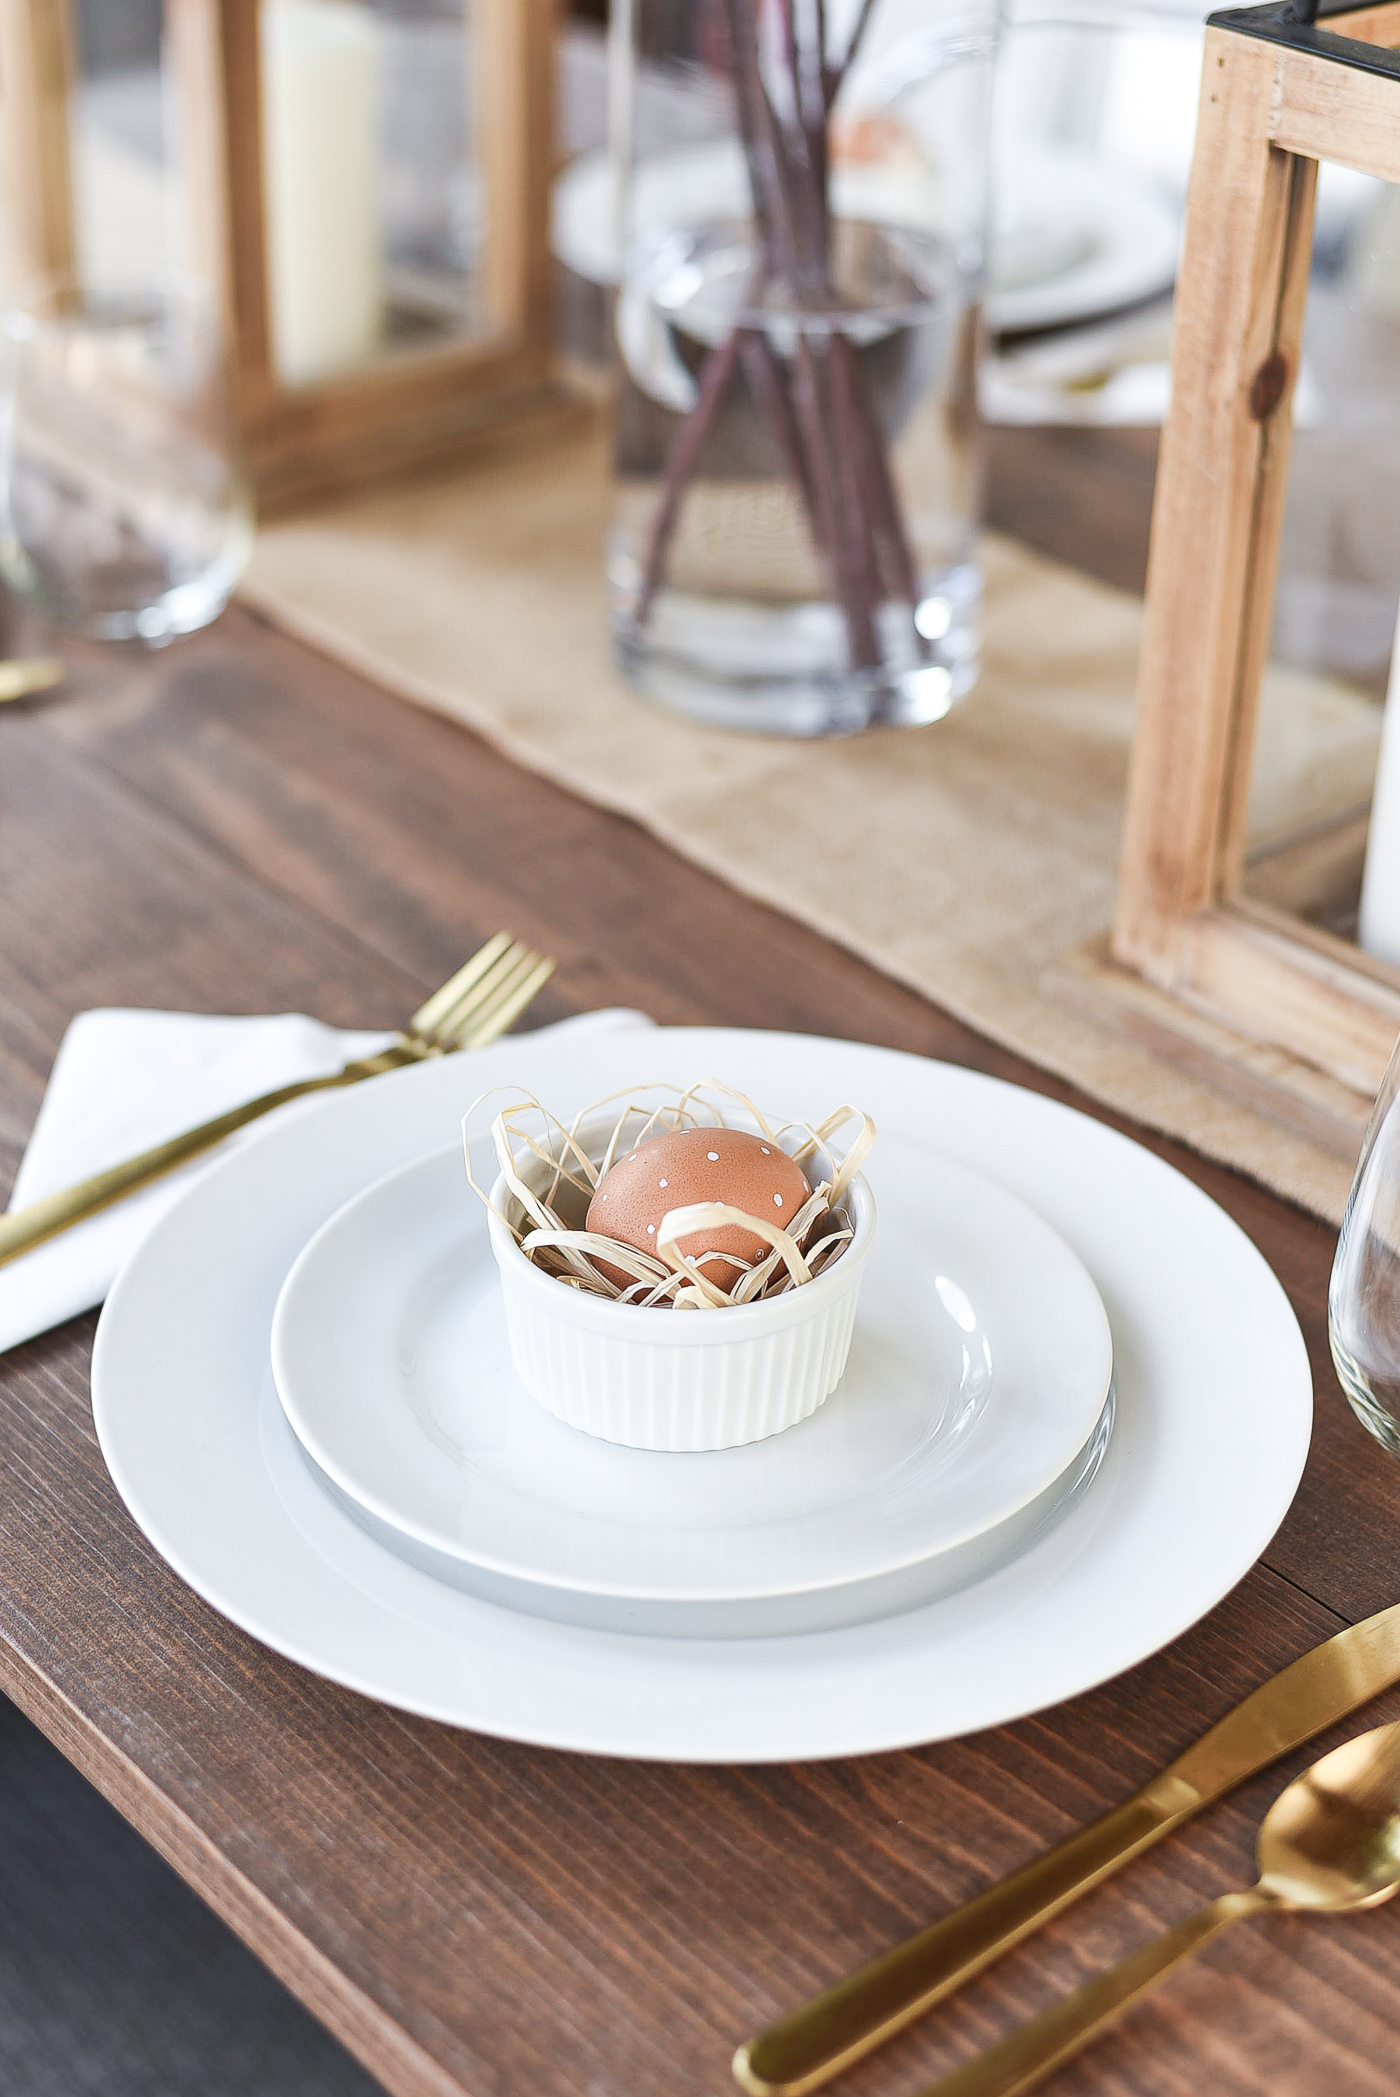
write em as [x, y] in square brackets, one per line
[1073, 236]
[979, 1371]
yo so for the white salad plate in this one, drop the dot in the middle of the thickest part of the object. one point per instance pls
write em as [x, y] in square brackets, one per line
[978, 1374]
[1213, 1421]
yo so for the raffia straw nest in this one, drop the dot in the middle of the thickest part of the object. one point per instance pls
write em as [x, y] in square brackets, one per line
[550, 1169]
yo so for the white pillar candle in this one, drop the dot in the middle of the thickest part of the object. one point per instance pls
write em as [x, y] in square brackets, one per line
[320, 144]
[1379, 929]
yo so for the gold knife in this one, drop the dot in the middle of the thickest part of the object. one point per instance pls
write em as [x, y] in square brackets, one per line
[849, 2020]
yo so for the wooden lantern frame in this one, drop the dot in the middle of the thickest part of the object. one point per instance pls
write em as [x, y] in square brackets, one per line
[1286, 1015]
[406, 405]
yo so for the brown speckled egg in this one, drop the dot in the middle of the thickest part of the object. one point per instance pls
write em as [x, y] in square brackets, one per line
[686, 1165]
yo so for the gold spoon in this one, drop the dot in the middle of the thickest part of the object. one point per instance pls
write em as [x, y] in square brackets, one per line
[1330, 1842]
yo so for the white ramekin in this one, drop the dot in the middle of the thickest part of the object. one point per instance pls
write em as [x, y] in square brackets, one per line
[681, 1380]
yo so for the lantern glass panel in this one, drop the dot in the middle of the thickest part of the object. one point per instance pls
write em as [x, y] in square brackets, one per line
[1094, 119]
[372, 191]
[125, 223]
[1334, 620]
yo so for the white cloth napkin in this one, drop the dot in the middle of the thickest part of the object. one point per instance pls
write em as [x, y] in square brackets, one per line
[125, 1080]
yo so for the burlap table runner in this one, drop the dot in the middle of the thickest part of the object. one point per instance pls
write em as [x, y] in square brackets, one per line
[962, 859]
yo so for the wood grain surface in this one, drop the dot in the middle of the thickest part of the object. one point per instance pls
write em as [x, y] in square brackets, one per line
[237, 825]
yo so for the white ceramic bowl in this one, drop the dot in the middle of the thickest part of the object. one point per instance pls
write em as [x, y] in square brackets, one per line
[681, 1380]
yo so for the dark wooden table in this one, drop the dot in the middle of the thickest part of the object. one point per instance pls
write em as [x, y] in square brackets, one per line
[238, 825]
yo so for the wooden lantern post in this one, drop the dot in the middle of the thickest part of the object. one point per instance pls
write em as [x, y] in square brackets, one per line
[36, 74]
[1288, 1016]
[405, 404]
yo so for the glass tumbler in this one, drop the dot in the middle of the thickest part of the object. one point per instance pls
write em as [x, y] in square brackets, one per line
[124, 513]
[802, 194]
[1363, 1301]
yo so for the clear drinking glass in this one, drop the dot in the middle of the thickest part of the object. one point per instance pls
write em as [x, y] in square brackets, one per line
[124, 513]
[1363, 1302]
[803, 190]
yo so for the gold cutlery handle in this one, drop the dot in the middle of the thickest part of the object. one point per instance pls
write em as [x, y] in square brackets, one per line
[22, 675]
[1025, 2057]
[849, 2020]
[25, 1228]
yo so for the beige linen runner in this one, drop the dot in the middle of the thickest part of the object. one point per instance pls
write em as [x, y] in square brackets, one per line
[963, 859]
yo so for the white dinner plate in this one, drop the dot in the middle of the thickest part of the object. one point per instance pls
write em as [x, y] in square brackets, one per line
[979, 1371]
[1214, 1415]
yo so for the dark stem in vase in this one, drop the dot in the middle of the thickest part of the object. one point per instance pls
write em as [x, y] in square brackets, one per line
[816, 397]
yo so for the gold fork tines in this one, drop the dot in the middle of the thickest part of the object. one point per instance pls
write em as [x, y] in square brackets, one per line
[472, 1008]
[528, 980]
[475, 1012]
[490, 1001]
[435, 1011]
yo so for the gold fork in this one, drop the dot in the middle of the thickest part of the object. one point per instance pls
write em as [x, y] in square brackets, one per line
[484, 998]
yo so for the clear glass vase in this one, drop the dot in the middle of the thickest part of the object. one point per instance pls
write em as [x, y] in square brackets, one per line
[802, 198]
[124, 514]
